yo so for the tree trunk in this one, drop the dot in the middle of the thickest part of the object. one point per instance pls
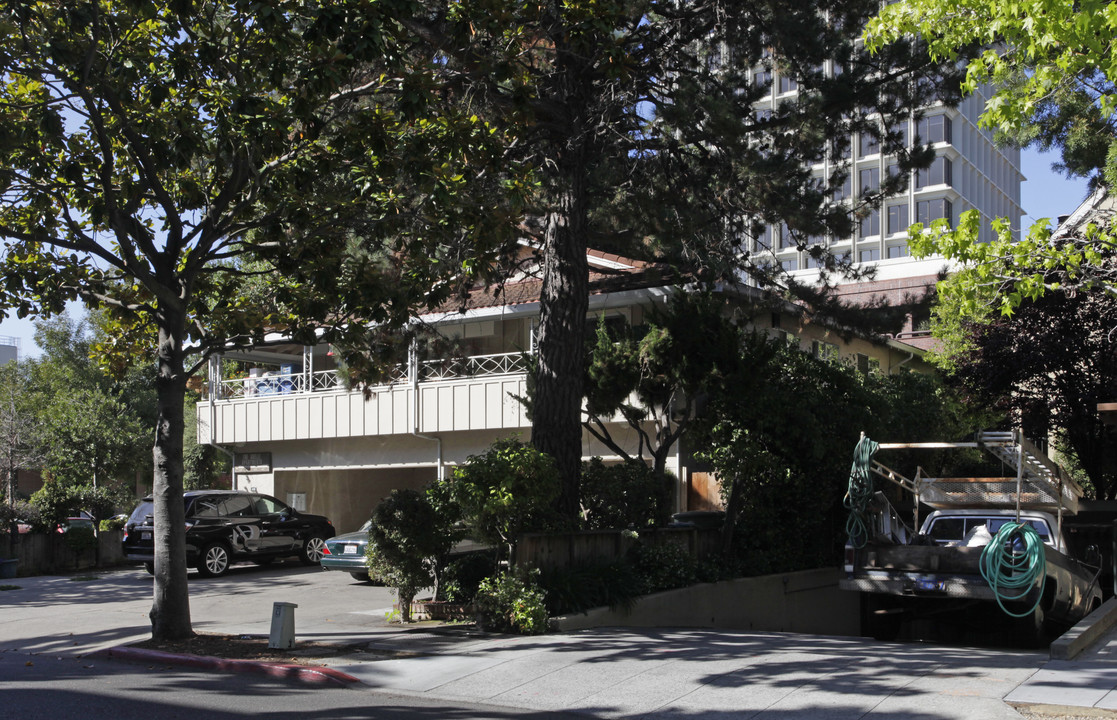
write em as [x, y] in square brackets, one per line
[170, 613]
[556, 423]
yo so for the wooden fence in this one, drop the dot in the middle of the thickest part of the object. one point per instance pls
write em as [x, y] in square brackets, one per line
[560, 550]
[44, 553]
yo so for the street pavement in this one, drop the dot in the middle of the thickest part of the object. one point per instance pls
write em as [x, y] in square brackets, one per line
[603, 672]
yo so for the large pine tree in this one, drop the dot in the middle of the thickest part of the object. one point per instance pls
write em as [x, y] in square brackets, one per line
[640, 118]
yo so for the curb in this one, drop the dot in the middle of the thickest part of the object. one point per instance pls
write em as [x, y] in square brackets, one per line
[283, 671]
[1086, 632]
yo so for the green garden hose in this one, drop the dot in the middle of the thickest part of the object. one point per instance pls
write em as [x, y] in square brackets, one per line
[1012, 562]
[860, 492]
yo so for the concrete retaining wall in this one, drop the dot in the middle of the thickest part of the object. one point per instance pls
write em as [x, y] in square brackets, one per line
[801, 602]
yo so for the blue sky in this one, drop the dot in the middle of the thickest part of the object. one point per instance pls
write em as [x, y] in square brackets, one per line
[1044, 194]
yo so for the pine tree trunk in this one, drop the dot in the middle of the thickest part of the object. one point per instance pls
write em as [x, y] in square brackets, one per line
[170, 612]
[556, 425]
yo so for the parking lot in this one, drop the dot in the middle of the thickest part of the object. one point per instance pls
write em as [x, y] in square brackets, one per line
[85, 612]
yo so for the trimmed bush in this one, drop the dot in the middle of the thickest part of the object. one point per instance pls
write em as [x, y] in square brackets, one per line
[512, 602]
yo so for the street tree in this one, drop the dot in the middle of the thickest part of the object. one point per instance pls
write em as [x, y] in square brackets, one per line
[640, 118]
[158, 156]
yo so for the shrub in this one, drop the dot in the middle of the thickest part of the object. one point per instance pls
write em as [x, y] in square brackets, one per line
[664, 567]
[408, 544]
[463, 575]
[80, 539]
[629, 494]
[506, 492]
[19, 511]
[512, 602]
[612, 583]
[55, 502]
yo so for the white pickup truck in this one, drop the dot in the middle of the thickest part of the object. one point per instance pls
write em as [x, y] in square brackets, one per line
[938, 570]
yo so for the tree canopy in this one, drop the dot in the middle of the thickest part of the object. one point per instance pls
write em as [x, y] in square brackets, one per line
[1050, 73]
[640, 119]
[158, 156]
[1050, 66]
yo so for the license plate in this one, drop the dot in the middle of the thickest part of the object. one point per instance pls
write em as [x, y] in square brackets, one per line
[349, 550]
[145, 536]
[930, 585]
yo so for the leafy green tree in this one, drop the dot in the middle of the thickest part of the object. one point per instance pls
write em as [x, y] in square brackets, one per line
[94, 429]
[19, 430]
[779, 437]
[505, 492]
[639, 119]
[409, 544]
[1047, 367]
[172, 161]
[1052, 76]
[1049, 65]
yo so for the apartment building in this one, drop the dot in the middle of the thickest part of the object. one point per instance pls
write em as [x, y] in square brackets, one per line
[297, 431]
[969, 173]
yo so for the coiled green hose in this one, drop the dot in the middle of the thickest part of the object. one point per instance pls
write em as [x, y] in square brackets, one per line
[1011, 572]
[860, 492]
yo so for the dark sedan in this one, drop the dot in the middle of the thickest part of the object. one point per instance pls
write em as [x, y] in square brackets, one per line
[347, 553]
[228, 526]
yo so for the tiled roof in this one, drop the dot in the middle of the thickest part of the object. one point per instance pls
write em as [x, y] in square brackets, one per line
[609, 273]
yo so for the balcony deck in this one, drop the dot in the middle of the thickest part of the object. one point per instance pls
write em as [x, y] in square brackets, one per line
[473, 393]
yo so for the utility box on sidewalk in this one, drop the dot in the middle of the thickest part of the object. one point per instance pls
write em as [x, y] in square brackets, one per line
[282, 625]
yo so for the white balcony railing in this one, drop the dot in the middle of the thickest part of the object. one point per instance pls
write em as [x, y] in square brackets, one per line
[276, 383]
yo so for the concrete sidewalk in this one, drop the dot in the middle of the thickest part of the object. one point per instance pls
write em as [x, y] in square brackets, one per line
[614, 672]
[603, 672]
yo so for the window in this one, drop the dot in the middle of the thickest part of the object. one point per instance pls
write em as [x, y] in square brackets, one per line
[762, 78]
[763, 115]
[898, 218]
[897, 251]
[870, 144]
[868, 255]
[870, 224]
[928, 210]
[815, 239]
[788, 84]
[939, 173]
[789, 265]
[899, 131]
[840, 149]
[237, 506]
[841, 192]
[934, 129]
[869, 180]
[824, 350]
[781, 236]
[270, 506]
[867, 365]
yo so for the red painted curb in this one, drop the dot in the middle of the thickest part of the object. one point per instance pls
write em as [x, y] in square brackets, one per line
[288, 671]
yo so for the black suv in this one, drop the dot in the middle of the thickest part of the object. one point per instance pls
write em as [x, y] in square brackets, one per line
[228, 526]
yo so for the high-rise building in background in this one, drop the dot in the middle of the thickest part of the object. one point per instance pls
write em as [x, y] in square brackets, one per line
[9, 349]
[969, 172]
